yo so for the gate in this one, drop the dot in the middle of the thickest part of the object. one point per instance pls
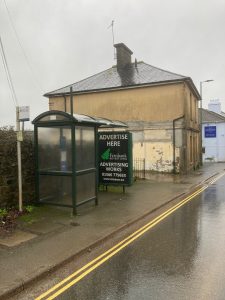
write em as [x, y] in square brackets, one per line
[139, 168]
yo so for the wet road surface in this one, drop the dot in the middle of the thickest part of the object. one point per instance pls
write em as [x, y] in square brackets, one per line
[182, 257]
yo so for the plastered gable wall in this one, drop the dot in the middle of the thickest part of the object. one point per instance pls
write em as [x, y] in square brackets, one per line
[157, 103]
[162, 103]
[191, 108]
[192, 144]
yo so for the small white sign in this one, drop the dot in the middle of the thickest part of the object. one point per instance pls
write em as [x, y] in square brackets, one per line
[19, 136]
[24, 113]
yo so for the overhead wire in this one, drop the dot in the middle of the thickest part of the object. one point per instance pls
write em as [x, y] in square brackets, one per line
[35, 79]
[8, 75]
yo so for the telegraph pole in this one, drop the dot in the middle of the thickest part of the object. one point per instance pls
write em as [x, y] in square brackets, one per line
[19, 140]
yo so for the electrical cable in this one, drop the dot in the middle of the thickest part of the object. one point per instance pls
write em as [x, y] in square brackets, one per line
[8, 75]
[36, 81]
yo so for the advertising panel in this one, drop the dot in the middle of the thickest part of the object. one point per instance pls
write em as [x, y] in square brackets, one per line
[115, 158]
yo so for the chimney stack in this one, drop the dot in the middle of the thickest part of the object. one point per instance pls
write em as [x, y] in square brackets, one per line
[123, 55]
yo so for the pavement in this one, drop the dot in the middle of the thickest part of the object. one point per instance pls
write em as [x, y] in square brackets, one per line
[51, 236]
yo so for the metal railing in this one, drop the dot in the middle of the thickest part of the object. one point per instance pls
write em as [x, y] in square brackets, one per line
[139, 168]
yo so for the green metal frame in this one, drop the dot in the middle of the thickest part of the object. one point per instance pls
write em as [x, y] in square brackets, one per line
[130, 157]
[72, 124]
[97, 165]
[74, 181]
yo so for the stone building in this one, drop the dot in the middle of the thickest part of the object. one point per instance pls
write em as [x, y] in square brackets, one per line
[160, 107]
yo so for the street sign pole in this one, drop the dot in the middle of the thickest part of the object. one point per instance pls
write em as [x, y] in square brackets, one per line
[19, 138]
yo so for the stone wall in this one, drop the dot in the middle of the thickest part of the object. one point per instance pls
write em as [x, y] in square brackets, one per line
[9, 171]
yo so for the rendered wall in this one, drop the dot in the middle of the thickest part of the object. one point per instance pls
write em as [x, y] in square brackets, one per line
[161, 103]
[144, 104]
[214, 146]
[191, 150]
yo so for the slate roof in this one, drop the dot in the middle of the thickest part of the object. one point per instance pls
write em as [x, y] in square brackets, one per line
[134, 75]
[211, 117]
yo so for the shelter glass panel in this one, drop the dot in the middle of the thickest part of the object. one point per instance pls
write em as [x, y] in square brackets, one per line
[86, 187]
[56, 189]
[85, 147]
[54, 148]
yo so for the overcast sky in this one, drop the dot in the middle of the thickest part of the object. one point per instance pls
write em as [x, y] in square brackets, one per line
[64, 41]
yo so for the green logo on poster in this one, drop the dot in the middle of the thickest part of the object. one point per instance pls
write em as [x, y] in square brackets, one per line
[105, 155]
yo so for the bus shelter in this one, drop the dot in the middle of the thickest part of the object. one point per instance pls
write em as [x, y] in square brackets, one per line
[66, 156]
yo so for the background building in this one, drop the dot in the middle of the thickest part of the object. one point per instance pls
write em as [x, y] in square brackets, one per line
[160, 107]
[213, 132]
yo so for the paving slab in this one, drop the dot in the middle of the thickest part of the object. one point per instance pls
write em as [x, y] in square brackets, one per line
[16, 238]
[42, 227]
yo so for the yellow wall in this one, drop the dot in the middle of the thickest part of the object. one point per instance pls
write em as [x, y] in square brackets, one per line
[191, 108]
[151, 104]
[144, 104]
[192, 149]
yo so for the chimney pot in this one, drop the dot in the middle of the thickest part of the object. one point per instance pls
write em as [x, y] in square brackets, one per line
[215, 106]
[135, 62]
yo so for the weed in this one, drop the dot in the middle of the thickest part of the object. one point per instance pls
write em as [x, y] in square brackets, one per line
[29, 208]
[3, 212]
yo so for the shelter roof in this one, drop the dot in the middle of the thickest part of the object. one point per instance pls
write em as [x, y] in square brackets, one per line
[54, 116]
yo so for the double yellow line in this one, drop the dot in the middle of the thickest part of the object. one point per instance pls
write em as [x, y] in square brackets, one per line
[88, 268]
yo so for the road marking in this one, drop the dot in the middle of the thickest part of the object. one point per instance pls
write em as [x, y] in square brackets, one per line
[216, 178]
[95, 263]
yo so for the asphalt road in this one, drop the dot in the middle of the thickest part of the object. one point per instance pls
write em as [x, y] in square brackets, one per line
[181, 257]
